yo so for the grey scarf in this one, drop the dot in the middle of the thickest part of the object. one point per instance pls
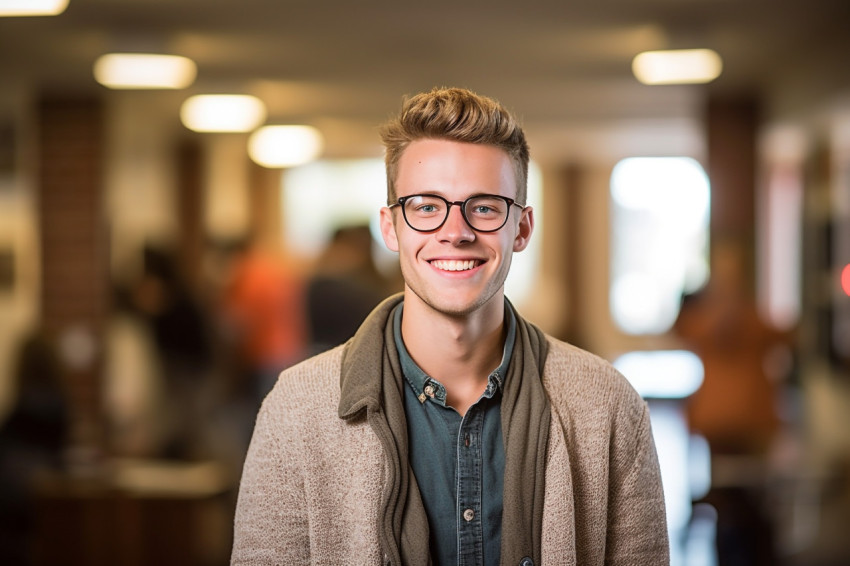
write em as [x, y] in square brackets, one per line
[371, 388]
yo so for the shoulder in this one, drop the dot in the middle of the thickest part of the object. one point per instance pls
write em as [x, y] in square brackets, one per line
[568, 366]
[306, 391]
[578, 381]
[299, 418]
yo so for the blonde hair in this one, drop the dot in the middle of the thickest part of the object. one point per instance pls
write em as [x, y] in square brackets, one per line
[455, 114]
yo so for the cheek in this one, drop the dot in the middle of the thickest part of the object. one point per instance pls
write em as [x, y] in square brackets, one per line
[509, 244]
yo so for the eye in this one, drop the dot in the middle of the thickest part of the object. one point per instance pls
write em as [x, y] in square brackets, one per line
[426, 208]
[486, 207]
[482, 209]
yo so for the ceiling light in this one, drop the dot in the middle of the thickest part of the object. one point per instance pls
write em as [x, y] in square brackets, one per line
[285, 146]
[222, 113]
[32, 7]
[662, 374]
[683, 66]
[143, 71]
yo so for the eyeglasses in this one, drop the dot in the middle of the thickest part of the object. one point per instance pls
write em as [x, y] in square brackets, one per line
[483, 213]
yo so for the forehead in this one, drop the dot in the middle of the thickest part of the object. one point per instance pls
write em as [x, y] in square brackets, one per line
[454, 168]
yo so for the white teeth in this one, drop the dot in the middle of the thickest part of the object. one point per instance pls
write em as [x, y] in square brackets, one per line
[454, 265]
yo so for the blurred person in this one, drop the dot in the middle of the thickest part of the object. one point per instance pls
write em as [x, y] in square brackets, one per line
[262, 305]
[735, 409]
[133, 395]
[449, 430]
[344, 288]
[182, 332]
[33, 440]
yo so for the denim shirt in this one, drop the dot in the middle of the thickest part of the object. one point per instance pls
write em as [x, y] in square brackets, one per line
[458, 462]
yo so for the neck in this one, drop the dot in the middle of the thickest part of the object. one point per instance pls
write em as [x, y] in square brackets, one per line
[458, 351]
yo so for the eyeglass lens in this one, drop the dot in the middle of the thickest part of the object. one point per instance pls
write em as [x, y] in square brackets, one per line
[428, 212]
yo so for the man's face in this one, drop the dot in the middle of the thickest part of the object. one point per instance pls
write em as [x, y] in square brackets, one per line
[454, 269]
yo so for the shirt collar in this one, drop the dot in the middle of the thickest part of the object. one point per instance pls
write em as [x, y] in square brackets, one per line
[425, 387]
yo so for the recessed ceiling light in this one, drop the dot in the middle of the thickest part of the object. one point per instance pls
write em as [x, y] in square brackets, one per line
[144, 71]
[285, 146]
[222, 113]
[32, 7]
[682, 66]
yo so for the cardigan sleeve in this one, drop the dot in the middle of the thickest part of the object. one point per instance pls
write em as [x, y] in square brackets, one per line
[637, 521]
[271, 525]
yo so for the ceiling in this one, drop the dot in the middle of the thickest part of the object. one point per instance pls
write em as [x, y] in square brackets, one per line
[562, 65]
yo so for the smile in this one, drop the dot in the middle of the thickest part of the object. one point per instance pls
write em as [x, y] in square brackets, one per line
[455, 265]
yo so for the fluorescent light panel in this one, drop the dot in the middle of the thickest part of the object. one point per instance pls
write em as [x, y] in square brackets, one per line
[285, 146]
[683, 66]
[662, 374]
[32, 7]
[144, 71]
[222, 113]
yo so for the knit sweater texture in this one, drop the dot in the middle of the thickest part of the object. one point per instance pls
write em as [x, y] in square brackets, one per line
[312, 482]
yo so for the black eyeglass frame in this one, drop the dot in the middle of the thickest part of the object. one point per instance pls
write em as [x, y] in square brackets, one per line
[460, 203]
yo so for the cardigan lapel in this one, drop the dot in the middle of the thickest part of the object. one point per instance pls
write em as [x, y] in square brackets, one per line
[371, 381]
[525, 428]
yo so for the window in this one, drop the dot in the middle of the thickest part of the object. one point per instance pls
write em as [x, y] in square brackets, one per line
[659, 243]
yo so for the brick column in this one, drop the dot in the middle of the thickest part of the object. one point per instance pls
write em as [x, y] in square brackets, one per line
[731, 126]
[190, 209]
[73, 247]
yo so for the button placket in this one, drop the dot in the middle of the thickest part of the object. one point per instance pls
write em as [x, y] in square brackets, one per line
[470, 535]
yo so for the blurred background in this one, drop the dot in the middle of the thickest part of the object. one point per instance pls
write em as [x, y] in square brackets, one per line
[159, 264]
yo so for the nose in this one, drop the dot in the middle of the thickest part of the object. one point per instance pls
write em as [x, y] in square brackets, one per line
[455, 230]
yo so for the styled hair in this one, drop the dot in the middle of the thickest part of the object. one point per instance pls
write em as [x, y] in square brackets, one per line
[460, 115]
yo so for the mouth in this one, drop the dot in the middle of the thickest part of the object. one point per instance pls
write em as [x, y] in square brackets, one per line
[455, 264]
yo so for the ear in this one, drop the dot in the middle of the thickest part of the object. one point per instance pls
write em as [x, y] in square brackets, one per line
[388, 229]
[524, 229]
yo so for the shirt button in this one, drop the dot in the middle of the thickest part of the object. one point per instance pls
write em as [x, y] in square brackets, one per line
[429, 390]
[469, 515]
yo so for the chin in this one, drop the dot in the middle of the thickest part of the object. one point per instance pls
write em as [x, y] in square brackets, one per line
[456, 310]
[456, 306]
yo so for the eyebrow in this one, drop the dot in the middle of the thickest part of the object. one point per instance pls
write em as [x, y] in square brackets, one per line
[443, 195]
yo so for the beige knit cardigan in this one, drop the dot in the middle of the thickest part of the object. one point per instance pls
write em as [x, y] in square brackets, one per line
[311, 483]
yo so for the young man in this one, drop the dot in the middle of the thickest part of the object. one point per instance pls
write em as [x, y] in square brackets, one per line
[449, 430]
